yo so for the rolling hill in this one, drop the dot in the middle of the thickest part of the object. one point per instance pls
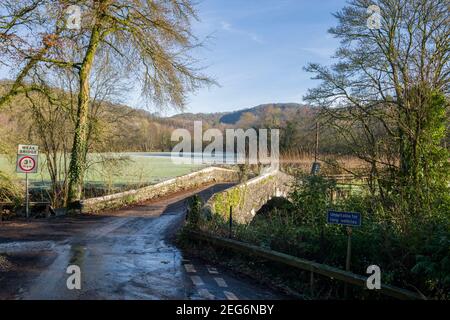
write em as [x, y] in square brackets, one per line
[284, 110]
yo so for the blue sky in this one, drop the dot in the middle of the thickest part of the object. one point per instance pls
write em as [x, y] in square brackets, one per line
[256, 51]
[259, 48]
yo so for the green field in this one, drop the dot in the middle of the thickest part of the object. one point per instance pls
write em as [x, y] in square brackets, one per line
[112, 170]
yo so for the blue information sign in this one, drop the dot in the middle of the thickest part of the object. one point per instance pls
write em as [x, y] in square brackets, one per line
[351, 219]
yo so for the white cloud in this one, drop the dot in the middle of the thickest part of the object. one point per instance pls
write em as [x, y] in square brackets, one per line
[226, 26]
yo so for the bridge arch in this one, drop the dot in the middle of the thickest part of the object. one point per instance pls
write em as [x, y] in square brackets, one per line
[247, 198]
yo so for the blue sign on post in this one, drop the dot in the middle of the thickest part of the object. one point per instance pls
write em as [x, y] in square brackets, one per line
[351, 219]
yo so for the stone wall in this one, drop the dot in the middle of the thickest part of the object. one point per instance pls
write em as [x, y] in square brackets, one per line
[191, 181]
[247, 198]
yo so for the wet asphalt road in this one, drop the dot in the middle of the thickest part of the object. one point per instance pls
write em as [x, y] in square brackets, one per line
[126, 254]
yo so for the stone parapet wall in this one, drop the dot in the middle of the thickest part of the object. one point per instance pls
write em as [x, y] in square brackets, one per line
[193, 180]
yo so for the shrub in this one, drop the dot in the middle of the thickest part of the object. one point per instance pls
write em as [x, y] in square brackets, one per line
[413, 254]
[433, 263]
[10, 191]
[195, 204]
[311, 197]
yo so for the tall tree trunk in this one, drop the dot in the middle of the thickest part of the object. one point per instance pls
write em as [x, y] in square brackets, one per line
[78, 160]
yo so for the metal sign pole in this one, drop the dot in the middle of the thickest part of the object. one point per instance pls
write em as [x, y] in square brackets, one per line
[349, 219]
[349, 255]
[349, 248]
[27, 162]
[26, 196]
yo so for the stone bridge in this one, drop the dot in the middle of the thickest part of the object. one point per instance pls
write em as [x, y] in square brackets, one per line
[190, 181]
[248, 197]
[245, 198]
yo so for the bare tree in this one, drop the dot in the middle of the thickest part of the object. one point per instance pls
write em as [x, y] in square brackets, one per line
[386, 94]
[145, 40]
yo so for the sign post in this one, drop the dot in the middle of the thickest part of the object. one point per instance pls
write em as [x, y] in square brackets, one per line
[27, 162]
[349, 248]
[27, 197]
[349, 219]
[316, 165]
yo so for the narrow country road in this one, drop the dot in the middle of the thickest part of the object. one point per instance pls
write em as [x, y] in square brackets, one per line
[124, 254]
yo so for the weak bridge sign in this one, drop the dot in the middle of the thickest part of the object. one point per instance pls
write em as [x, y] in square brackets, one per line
[27, 158]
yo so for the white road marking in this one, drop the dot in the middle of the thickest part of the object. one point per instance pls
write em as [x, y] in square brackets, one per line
[221, 282]
[230, 295]
[212, 270]
[197, 280]
[190, 268]
[204, 293]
